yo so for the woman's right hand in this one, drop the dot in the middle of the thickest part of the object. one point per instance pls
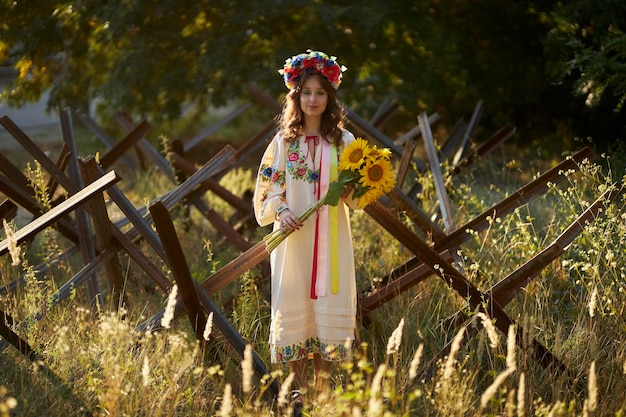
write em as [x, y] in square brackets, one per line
[288, 221]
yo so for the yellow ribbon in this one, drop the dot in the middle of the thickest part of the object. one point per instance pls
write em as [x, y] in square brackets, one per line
[333, 223]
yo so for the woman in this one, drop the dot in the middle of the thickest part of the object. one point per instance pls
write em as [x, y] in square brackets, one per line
[313, 286]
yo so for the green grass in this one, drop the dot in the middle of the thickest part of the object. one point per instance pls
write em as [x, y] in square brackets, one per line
[575, 307]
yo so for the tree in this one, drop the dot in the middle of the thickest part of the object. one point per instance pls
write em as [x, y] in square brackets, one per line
[151, 58]
[586, 49]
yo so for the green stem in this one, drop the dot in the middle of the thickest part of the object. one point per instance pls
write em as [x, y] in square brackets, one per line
[275, 238]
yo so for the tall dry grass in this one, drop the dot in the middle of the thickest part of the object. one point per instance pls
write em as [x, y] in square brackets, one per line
[99, 364]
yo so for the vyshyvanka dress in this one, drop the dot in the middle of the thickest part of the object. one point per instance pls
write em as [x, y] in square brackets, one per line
[310, 313]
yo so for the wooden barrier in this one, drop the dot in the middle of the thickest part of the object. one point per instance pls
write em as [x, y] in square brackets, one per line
[101, 242]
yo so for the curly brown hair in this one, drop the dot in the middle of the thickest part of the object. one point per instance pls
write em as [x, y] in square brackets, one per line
[291, 119]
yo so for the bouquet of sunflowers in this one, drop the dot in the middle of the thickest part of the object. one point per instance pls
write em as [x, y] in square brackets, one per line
[365, 170]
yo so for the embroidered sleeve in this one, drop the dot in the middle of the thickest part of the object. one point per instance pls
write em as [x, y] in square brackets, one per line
[269, 193]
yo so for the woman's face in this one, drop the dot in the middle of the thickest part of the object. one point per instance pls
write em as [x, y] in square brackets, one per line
[313, 98]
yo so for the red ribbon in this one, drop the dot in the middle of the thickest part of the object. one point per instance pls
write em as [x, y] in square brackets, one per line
[317, 224]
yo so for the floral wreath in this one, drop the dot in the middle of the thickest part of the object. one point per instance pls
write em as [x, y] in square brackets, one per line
[309, 63]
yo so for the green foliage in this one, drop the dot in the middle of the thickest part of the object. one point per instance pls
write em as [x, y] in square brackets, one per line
[154, 59]
[586, 55]
[591, 40]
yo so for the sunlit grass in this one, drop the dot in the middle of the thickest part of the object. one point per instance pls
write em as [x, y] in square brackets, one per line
[575, 307]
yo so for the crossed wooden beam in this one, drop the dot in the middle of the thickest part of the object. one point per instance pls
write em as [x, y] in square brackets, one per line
[439, 259]
[109, 236]
[195, 297]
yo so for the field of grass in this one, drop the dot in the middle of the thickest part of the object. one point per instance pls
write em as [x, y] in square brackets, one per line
[97, 364]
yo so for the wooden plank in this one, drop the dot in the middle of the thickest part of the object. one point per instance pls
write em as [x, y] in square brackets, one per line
[88, 250]
[235, 339]
[374, 133]
[264, 98]
[221, 323]
[384, 108]
[405, 161]
[34, 150]
[222, 226]
[142, 260]
[121, 148]
[414, 212]
[212, 184]
[377, 135]
[193, 142]
[193, 296]
[235, 268]
[104, 236]
[141, 225]
[469, 132]
[66, 290]
[484, 148]
[385, 112]
[78, 279]
[104, 137]
[12, 172]
[520, 197]
[62, 161]
[6, 322]
[416, 132]
[25, 199]
[397, 286]
[479, 223]
[506, 289]
[255, 142]
[65, 207]
[147, 147]
[39, 270]
[435, 169]
[8, 210]
[217, 164]
[453, 139]
[18, 189]
[178, 266]
[456, 280]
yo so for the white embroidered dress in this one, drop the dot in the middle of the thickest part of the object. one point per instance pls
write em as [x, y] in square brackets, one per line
[288, 177]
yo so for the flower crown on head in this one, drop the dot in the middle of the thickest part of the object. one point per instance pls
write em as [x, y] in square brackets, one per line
[309, 63]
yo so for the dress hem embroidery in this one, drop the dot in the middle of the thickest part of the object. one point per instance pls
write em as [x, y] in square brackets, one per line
[297, 351]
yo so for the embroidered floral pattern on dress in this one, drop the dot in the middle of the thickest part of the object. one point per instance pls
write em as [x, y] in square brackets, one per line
[268, 174]
[297, 351]
[297, 165]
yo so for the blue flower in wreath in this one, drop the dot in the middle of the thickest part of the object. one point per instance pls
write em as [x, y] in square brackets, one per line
[313, 176]
[267, 172]
[288, 351]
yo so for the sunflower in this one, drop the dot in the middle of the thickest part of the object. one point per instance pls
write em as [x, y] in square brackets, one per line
[377, 153]
[353, 156]
[378, 174]
[370, 196]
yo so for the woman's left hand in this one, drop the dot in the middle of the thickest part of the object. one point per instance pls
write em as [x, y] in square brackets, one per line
[289, 221]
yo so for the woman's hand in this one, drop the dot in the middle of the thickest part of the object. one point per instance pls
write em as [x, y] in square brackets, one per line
[288, 221]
